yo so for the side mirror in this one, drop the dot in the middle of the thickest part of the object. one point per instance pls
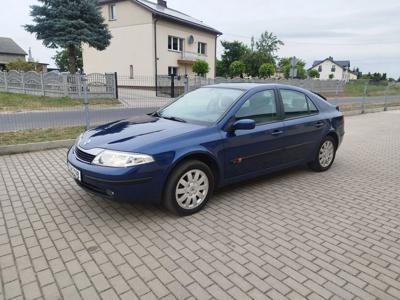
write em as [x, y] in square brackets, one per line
[244, 124]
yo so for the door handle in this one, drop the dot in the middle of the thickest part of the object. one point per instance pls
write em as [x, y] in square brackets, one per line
[319, 124]
[277, 132]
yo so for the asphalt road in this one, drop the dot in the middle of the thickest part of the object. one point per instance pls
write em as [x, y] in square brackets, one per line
[369, 99]
[75, 117]
[65, 118]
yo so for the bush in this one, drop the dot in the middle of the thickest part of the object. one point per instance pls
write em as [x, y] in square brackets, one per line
[313, 73]
[201, 67]
[331, 76]
[20, 65]
[266, 70]
[237, 68]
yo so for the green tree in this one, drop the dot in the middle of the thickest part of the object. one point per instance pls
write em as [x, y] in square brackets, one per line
[331, 76]
[237, 68]
[220, 69]
[261, 52]
[268, 44]
[266, 70]
[20, 65]
[253, 61]
[201, 67]
[285, 65]
[312, 73]
[68, 25]
[62, 60]
[233, 51]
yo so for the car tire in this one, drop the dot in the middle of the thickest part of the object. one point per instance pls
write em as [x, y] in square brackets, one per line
[325, 156]
[189, 187]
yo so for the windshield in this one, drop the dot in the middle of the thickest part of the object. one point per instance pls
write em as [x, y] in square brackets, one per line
[204, 105]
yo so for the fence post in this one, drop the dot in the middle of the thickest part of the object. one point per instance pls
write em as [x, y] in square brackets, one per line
[78, 83]
[337, 89]
[42, 84]
[186, 84]
[365, 97]
[23, 82]
[65, 84]
[172, 85]
[5, 81]
[116, 85]
[385, 105]
[85, 101]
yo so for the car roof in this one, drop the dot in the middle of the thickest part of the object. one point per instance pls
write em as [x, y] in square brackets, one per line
[250, 86]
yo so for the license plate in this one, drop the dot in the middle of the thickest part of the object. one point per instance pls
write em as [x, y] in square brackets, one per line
[74, 171]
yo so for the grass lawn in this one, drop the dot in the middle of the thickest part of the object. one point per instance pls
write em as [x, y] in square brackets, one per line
[39, 135]
[356, 88]
[22, 102]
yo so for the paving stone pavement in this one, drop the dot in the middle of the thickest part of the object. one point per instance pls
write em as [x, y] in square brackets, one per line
[294, 235]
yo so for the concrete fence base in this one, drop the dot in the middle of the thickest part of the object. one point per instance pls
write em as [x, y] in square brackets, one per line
[22, 148]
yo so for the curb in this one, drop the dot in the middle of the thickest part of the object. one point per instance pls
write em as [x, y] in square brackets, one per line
[23, 148]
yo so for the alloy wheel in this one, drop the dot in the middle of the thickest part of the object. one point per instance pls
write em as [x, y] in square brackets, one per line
[326, 154]
[192, 189]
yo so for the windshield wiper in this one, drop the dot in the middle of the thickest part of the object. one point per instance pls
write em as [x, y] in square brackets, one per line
[174, 118]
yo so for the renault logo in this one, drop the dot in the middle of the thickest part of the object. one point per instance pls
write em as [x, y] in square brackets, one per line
[86, 142]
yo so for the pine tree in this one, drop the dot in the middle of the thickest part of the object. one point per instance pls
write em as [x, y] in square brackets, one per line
[68, 25]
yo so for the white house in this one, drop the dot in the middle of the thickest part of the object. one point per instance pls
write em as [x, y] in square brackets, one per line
[334, 69]
[151, 39]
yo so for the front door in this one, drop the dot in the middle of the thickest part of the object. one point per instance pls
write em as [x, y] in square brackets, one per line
[259, 149]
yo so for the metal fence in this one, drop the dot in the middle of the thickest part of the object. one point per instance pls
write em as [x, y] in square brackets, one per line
[55, 84]
[148, 91]
[111, 98]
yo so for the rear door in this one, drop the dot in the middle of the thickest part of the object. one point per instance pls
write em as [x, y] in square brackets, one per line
[304, 126]
[259, 149]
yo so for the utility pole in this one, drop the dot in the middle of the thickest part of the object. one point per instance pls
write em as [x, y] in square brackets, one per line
[293, 69]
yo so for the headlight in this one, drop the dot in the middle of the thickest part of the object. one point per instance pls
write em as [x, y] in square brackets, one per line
[117, 159]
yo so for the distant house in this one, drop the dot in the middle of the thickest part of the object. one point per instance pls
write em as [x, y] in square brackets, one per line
[151, 39]
[337, 69]
[10, 51]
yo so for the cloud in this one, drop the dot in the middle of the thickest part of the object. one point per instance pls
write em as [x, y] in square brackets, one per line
[365, 32]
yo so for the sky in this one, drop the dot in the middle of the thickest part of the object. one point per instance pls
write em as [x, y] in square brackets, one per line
[366, 32]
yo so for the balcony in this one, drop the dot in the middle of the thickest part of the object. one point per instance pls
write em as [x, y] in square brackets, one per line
[189, 58]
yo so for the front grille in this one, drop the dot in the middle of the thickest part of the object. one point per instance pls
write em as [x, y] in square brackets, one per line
[84, 156]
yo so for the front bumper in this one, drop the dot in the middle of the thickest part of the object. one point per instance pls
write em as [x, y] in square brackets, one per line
[142, 183]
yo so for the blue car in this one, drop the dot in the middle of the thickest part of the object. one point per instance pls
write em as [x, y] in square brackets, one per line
[211, 137]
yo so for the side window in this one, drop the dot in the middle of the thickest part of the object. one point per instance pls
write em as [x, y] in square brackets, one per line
[261, 107]
[313, 109]
[296, 104]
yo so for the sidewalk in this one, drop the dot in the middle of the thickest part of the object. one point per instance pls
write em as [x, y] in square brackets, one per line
[293, 235]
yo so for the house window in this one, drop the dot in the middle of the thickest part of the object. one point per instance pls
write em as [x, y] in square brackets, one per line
[201, 48]
[172, 71]
[131, 72]
[320, 69]
[333, 69]
[112, 12]
[175, 43]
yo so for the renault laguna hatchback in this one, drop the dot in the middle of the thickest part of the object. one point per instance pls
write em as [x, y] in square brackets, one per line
[211, 137]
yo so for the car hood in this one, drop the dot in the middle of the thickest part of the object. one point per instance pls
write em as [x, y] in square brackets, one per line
[135, 134]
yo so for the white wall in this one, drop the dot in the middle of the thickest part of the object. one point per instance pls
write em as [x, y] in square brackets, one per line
[168, 58]
[326, 71]
[133, 44]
